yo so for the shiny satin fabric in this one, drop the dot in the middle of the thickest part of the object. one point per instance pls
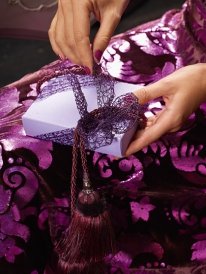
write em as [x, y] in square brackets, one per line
[157, 196]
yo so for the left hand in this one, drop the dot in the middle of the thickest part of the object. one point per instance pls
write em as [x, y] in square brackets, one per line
[182, 91]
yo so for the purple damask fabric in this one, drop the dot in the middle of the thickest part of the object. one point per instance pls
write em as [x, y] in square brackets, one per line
[157, 196]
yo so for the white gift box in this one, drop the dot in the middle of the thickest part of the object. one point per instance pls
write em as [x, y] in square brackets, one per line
[53, 116]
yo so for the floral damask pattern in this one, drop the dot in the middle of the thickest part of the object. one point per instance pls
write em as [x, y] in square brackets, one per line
[156, 46]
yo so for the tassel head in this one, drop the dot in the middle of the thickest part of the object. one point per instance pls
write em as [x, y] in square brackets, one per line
[89, 203]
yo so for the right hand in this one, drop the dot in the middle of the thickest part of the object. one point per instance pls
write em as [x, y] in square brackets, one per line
[70, 29]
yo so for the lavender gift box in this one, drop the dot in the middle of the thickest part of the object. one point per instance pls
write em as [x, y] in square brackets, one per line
[54, 114]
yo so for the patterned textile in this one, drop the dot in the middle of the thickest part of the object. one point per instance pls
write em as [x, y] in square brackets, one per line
[157, 196]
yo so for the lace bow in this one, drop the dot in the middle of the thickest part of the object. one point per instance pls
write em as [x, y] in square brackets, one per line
[113, 116]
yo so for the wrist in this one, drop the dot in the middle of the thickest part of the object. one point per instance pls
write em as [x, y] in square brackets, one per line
[202, 67]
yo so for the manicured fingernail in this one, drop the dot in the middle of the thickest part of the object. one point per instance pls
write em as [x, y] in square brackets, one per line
[87, 70]
[61, 57]
[98, 55]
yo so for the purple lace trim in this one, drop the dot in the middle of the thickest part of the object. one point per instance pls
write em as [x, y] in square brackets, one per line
[58, 84]
[65, 136]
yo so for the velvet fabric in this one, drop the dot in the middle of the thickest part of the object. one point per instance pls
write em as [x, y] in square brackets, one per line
[157, 196]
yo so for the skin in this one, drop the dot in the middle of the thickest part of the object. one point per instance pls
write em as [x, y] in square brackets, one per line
[70, 28]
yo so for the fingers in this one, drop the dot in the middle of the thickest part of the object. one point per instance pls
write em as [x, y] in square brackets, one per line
[66, 37]
[157, 125]
[153, 132]
[69, 32]
[52, 39]
[81, 26]
[60, 41]
[108, 25]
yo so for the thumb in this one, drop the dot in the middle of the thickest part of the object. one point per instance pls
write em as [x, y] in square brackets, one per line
[150, 134]
[108, 25]
[150, 92]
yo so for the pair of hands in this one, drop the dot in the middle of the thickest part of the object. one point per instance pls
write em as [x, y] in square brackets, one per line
[182, 91]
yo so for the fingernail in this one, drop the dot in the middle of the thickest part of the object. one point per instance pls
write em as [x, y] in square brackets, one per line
[98, 55]
[61, 57]
[87, 70]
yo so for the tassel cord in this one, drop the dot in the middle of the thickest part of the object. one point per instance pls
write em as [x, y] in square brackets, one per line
[86, 180]
[74, 172]
[78, 145]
